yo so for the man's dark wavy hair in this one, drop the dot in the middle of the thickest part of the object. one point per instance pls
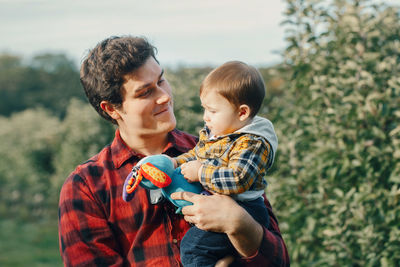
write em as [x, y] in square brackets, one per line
[103, 70]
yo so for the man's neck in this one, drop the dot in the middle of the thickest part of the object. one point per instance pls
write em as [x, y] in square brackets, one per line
[146, 144]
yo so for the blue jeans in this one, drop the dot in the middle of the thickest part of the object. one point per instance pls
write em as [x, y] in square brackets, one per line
[203, 248]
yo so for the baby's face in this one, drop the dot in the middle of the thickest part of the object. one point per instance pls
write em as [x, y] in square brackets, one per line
[220, 116]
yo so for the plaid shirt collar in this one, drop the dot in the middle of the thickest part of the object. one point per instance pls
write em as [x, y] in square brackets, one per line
[205, 134]
[122, 153]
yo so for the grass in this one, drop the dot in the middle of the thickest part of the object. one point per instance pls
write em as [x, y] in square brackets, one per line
[29, 243]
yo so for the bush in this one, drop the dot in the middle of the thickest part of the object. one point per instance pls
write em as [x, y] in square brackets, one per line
[28, 145]
[39, 151]
[337, 187]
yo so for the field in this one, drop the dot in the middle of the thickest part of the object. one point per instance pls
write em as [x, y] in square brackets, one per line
[29, 244]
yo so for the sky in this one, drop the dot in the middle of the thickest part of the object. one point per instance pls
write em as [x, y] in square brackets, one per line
[185, 32]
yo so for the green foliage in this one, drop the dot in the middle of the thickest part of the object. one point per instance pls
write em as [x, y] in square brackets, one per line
[39, 151]
[337, 186]
[28, 141]
[47, 80]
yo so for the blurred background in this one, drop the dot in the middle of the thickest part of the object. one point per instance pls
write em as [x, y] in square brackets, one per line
[332, 72]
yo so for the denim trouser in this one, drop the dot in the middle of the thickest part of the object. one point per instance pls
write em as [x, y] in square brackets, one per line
[203, 248]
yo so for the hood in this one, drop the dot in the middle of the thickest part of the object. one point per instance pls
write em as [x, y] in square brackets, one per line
[262, 127]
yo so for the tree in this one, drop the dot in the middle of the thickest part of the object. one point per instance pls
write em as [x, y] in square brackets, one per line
[11, 73]
[337, 186]
[47, 81]
[28, 145]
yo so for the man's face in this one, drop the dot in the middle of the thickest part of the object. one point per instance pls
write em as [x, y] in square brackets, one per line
[147, 108]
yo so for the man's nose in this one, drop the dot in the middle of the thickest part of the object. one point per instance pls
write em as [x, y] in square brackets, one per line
[163, 97]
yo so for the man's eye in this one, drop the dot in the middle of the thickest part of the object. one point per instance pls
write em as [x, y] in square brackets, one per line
[161, 81]
[145, 93]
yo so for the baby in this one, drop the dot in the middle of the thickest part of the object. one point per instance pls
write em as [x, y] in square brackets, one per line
[235, 150]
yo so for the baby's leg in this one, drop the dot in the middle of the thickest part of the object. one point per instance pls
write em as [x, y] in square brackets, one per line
[256, 208]
[202, 248]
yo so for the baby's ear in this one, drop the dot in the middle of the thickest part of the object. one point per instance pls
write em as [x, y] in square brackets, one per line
[244, 112]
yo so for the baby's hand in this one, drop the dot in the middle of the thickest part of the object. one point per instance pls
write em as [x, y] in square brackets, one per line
[190, 170]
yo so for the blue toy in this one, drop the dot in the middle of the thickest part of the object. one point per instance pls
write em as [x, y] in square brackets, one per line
[153, 172]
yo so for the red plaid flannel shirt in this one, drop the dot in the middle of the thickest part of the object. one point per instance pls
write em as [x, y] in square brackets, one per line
[97, 228]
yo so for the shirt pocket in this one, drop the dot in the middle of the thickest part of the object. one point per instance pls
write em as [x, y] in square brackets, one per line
[210, 150]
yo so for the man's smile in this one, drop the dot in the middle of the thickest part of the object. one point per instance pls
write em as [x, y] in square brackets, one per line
[162, 111]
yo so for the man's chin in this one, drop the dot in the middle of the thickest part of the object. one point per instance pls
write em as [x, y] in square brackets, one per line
[162, 125]
[160, 129]
[167, 126]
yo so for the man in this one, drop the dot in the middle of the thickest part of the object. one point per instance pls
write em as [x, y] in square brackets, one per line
[125, 84]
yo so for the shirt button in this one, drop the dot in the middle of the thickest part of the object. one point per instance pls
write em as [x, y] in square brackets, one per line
[174, 241]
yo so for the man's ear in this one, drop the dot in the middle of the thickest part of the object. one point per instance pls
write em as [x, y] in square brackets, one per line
[110, 109]
[244, 112]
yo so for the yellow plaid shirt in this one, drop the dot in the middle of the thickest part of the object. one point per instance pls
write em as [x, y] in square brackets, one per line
[233, 163]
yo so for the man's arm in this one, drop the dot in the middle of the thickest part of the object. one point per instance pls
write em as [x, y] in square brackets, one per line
[84, 235]
[272, 250]
[258, 246]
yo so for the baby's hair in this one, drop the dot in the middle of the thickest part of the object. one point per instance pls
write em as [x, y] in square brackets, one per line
[239, 83]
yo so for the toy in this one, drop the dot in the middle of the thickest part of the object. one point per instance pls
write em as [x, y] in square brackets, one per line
[153, 172]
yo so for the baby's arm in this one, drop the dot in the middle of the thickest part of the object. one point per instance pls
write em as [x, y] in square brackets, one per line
[185, 157]
[190, 166]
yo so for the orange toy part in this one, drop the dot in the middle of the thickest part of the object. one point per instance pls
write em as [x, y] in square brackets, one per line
[154, 175]
[133, 183]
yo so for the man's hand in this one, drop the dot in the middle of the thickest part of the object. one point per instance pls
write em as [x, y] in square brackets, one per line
[216, 212]
[190, 170]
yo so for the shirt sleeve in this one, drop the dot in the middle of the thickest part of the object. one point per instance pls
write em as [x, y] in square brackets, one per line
[85, 237]
[272, 251]
[186, 157]
[247, 159]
